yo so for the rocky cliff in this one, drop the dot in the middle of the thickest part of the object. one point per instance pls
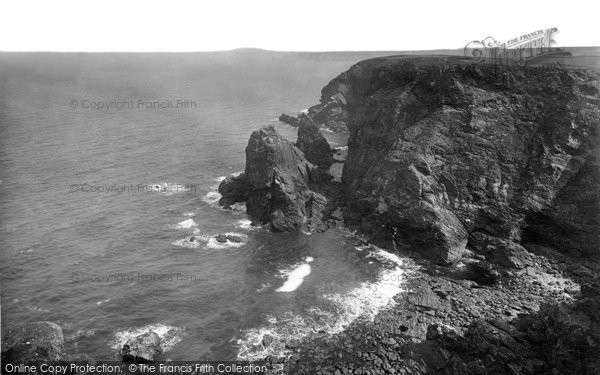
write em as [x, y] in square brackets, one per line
[445, 154]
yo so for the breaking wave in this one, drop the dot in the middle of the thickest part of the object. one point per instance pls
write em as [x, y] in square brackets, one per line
[169, 336]
[343, 309]
[296, 276]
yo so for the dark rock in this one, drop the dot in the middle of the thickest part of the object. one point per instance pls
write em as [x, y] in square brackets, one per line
[221, 238]
[31, 342]
[290, 120]
[142, 348]
[440, 331]
[331, 113]
[267, 340]
[275, 184]
[440, 148]
[236, 239]
[312, 142]
[426, 298]
[234, 189]
[502, 252]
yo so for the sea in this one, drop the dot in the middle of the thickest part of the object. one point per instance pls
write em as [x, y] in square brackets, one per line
[109, 212]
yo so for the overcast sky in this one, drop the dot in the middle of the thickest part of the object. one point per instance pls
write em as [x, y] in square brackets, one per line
[308, 25]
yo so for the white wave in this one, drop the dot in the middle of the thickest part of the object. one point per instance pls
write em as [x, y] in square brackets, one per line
[263, 287]
[214, 244]
[189, 214]
[167, 188]
[245, 224]
[169, 336]
[238, 208]
[192, 242]
[186, 224]
[103, 301]
[212, 197]
[295, 277]
[362, 303]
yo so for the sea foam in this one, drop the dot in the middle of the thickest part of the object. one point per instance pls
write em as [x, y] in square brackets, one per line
[169, 336]
[296, 276]
[214, 244]
[361, 303]
[186, 224]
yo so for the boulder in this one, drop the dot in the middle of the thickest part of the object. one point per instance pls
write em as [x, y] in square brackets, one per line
[142, 348]
[236, 239]
[30, 342]
[499, 251]
[221, 238]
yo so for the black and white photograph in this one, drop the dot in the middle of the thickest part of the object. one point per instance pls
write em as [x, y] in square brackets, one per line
[300, 187]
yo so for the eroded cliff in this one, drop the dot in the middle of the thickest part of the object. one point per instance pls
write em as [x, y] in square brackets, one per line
[442, 150]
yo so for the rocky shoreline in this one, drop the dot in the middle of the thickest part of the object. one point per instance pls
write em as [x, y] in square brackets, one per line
[487, 177]
[538, 321]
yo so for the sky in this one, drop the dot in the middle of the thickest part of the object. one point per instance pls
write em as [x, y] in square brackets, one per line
[307, 25]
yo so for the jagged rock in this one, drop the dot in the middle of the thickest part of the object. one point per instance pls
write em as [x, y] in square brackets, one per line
[236, 239]
[312, 142]
[290, 120]
[501, 252]
[31, 342]
[440, 148]
[275, 184]
[221, 238]
[331, 113]
[142, 348]
[234, 189]
[267, 340]
[441, 331]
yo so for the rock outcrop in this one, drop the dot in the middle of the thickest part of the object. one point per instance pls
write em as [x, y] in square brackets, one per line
[142, 348]
[275, 184]
[330, 114]
[441, 149]
[33, 342]
[312, 142]
[290, 120]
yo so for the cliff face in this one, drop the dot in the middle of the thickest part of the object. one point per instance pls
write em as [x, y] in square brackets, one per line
[443, 152]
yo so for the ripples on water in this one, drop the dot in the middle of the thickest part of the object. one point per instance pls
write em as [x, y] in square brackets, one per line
[110, 265]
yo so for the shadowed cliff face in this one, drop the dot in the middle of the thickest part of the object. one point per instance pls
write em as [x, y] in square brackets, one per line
[441, 149]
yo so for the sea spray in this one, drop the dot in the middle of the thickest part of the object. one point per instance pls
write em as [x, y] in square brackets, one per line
[169, 336]
[361, 303]
[295, 278]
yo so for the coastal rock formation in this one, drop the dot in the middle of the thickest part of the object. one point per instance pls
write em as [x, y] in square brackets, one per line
[312, 142]
[290, 120]
[275, 184]
[330, 114]
[496, 166]
[31, 342]
[142, 348]
[441, 149]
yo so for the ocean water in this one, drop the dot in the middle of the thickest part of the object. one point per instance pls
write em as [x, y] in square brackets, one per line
[108, 217]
